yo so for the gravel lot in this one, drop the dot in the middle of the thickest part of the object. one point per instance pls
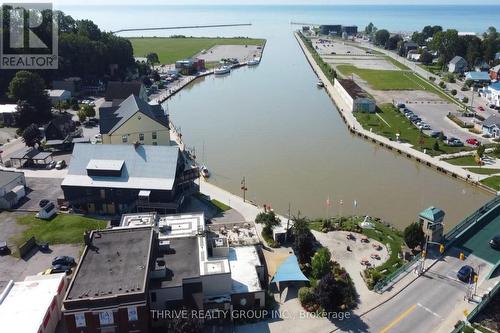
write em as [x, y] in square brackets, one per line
[366, 62]
[240, 52]
[338, 47]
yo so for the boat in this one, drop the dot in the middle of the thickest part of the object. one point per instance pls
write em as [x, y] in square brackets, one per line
[222, 70]
[204, 171]
[320, 84]
[253, 62]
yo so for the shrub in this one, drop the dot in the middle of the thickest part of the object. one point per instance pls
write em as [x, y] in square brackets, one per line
[321, 263]
[465, 99]
[454, 92]
[306, 296]
[414, 235]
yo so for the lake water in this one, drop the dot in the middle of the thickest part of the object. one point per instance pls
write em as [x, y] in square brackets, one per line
[273, 126]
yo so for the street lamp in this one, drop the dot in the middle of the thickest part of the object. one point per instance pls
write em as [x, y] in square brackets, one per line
[244, 188]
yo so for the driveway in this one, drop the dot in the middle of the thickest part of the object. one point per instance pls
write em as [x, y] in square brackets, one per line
[38, 189]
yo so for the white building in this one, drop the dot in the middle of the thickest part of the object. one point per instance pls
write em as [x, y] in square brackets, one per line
[356, 99]
[8, 114]
[58, 95]
[492, 93]
[33, 305]
[12, 189]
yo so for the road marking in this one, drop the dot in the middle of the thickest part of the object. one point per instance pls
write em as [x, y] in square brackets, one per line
[429, 310]
[398, 319]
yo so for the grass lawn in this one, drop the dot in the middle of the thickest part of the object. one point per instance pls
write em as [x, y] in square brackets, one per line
[434, 69]
[462, 161]
[170, 50]
[397, 63]
[484, 171]
[62, 229]
[221, 206]
[383, 79]
[492, 182]
[395, 122]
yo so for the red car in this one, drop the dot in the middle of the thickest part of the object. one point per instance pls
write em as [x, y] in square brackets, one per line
[473, 142]
[480, 108]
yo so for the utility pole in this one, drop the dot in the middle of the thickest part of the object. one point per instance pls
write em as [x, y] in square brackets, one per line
[244, 188]
[288, 222]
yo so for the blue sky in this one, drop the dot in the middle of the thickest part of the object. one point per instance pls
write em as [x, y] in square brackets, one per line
[265, 2]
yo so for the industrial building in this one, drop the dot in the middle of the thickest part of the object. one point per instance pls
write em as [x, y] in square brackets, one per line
[356, 99]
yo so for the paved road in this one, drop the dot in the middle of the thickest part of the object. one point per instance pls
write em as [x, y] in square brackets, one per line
[433, 303]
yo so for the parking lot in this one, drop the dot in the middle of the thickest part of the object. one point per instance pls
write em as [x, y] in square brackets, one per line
[12, 268]
[38, 189]
[366, 62]
[435, 115]
[337, 46]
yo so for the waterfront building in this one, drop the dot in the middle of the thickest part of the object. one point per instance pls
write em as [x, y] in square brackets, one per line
[350, 30]
[160, 262]
[190, 66]
[109, 289]
[134, 120]
[431, 220]
[115, 179]
[356, 99]
[117, 92]
[335, 29]
[457, 65]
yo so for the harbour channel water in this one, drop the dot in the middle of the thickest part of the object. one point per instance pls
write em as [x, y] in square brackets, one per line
[273, 126]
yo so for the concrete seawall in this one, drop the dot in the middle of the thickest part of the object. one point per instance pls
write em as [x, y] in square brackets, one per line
[401, 148]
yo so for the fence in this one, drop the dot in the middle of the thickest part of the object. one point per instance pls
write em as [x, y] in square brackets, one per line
[450, 239]
[484, 302]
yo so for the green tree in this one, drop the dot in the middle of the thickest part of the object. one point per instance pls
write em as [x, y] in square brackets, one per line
[152, 58]
[480, 151]
[32, 135]
[370, 28]
[321, 263]
[304, 240]
[82, 116]
[88, 110]
[269, 220]
[30, 87]
[436, 146]
[426, 58]
[414, 235]
[392, 42]
[453, 92]
[336, 293]
[418, 38]
[381, 37]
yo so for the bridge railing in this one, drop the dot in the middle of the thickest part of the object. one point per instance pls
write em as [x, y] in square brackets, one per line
[450, 239]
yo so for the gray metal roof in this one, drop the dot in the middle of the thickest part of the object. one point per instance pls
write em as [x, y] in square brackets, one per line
[114, 117]
[457, 59]
[145, 167]
[492, 121]
[8, 176]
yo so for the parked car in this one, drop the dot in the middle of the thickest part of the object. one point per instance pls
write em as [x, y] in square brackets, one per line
[480, 108]
[60, 164]
[473, 141]
[63, 260]
[435, 134]
[51, 165]
[61, 269]
[465, 273]
[4, 249]
[401, 105]
[424, 126]
[495, 242]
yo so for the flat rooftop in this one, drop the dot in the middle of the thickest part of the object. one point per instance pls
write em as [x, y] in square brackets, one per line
[353, 89]
[119, 261]
[138, 220]
[243, 261]
[25, 305]
[181, 225]
[180, 262]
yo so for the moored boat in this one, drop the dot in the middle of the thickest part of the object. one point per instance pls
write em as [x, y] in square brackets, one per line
[222, 70]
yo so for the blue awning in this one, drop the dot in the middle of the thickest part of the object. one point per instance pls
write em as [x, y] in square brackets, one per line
[289, 271]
